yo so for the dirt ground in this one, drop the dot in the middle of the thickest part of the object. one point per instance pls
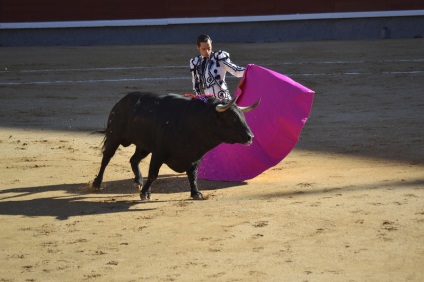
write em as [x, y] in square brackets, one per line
[347, 204]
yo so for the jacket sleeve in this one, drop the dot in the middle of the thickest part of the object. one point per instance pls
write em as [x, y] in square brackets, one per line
[229, 66]
[194, 77]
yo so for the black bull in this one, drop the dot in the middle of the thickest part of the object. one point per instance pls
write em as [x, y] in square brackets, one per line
[177, 130]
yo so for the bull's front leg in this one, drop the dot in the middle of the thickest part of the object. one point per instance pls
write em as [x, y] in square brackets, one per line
[192, 178]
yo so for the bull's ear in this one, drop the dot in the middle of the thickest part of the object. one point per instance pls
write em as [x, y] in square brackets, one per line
[223, 107]
[248, 109]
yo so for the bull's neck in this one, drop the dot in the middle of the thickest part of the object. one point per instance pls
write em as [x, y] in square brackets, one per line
[204, 136]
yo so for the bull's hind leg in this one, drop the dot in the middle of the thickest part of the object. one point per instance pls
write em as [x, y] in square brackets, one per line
[135, 160]
[154, 167]
[108, 153]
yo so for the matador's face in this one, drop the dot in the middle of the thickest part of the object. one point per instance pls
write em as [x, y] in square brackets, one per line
[205, 48]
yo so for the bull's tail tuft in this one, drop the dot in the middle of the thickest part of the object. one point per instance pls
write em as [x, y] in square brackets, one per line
[103, 143]
[107, 131]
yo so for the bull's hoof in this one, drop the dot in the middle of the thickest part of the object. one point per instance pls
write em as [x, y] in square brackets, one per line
[96, 184]
[137, 186]
[197, 196]
[145, 196]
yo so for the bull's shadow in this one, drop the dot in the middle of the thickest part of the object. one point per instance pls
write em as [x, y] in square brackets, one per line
[63, 208]
[80, 201]
[166, 184]
[33, 202]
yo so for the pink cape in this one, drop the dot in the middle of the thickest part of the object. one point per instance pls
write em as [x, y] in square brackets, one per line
[276, 123]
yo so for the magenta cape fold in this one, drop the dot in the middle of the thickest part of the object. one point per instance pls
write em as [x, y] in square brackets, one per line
[276, 123]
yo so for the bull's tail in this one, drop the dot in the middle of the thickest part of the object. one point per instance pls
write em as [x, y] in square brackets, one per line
[103, 143]
[105, 131]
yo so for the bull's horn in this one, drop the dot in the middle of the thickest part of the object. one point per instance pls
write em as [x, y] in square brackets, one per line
[248, 109]
[222, 108]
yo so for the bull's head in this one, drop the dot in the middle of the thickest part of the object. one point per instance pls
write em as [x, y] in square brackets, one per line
[232, 125]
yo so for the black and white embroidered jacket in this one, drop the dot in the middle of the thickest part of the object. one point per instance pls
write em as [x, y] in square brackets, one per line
[208, 74]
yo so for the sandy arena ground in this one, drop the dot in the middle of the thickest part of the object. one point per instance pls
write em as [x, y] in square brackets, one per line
[346, 205]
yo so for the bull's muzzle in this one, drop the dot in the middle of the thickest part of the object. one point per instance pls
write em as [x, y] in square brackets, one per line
[249, 139]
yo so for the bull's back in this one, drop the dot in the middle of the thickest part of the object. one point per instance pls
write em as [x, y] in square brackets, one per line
[141, 118]
[160, 121]
[169, 124]
[122, 116]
